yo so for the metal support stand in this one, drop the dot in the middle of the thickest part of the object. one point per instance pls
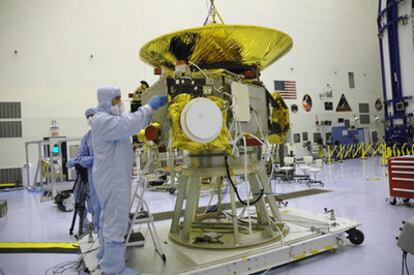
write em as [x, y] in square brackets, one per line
[214, 229]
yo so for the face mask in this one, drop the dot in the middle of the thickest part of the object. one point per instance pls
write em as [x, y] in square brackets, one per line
[88, 121]
[117, 110]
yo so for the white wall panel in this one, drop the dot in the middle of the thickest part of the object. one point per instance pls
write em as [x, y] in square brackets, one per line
[54, 77]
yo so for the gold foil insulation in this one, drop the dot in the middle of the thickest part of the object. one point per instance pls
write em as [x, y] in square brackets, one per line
[280, 115]
[181, 141]
[216, 46]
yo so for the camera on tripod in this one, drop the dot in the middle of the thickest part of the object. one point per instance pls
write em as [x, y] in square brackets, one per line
[81, 194]
[82, 172]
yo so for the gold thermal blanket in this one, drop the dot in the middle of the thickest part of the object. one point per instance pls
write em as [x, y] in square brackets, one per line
[218, 46]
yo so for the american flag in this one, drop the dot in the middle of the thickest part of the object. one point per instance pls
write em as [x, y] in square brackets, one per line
[287, 89]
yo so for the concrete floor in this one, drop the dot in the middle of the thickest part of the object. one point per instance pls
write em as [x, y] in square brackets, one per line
[355, 197]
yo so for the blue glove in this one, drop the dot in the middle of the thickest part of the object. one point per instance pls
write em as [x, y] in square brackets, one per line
[157, 101]
[86, 162]
[71, 163]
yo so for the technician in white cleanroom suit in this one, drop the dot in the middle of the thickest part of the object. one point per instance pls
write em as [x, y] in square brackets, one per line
[112, 170]
[85, 159]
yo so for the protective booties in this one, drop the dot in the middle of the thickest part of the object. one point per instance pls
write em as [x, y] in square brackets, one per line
[113, 260]
[101, 250]
[85, 225]
[129, 271]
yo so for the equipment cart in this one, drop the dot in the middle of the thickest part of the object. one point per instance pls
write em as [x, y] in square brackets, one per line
[401, 178]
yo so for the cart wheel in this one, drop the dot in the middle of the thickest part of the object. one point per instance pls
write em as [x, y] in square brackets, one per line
[171, 190]
[406, 200]
[393, 201]
[164, 259]
[355, 236]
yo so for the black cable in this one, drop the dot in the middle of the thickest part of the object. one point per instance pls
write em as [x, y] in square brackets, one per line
[71, 265]
[235, 188]
[406, 264]
[402, 264]
[63, 267]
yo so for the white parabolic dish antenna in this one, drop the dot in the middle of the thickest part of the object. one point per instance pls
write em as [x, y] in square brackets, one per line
[201, 120]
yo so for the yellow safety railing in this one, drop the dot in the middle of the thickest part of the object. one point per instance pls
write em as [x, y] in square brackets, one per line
[349, 149]
[330, 153]
[341, 152]
[358, 150]
[377, 150]
[363, 151]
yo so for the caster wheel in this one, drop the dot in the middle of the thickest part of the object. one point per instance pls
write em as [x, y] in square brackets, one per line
[86, 270]
[406, 200]
[164, 259]
[355, 236]
[393, 201]
[171, 190]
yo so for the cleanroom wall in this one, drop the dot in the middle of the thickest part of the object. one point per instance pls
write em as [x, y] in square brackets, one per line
[54, 54]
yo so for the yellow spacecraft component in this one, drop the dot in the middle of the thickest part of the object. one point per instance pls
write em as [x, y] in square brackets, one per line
[181, 141]
[218, 46]
[149, 133]
[141, 135]
[280, 117]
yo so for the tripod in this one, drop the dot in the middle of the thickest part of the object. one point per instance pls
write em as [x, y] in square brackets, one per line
[81, 195]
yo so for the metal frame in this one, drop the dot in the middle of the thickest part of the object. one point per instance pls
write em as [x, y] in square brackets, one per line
[40, 143]
[387, 21]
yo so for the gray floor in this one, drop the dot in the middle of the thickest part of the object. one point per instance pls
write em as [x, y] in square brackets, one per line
[355, 197]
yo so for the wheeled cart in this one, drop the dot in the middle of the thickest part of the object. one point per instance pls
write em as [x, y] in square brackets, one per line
[310, 234]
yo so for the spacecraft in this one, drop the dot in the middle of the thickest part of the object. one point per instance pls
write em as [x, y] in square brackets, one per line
[220, 112]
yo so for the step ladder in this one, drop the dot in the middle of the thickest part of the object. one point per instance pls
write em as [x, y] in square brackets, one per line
[142, 215]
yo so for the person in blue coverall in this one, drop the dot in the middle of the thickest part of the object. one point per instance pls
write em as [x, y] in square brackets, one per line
[112, 129]
[85, 159]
